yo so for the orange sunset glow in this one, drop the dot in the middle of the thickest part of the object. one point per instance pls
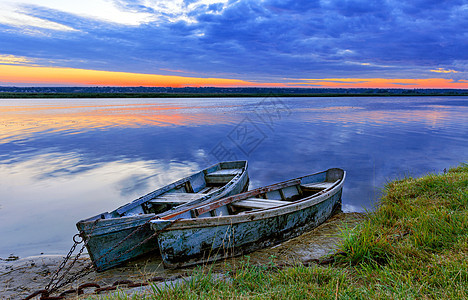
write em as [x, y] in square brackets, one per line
[30, 75]
[170, 138]
[69, 76]
[30, 119]
[436, 83]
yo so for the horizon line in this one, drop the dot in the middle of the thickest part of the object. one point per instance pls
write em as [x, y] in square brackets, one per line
[53, 76]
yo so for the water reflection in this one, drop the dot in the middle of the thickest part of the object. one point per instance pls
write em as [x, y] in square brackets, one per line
[38, 116]
[64, 160]
[47, 194]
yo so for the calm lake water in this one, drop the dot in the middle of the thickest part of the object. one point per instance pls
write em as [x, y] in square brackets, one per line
[62, 160]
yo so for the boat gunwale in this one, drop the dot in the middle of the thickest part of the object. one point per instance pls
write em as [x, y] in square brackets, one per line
[259, 214]
[88, 224]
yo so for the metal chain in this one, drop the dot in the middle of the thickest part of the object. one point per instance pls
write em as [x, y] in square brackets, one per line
[98, 289]
[56, 283]
[79, 274]
[51, 286]
[64, 262]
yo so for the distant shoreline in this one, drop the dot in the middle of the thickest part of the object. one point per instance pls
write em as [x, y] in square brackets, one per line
[214, 92]
[213, 95]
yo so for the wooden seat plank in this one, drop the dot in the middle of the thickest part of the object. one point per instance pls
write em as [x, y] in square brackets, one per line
[257, 203]
[225, 172]
[209, 189]
[318, 185]
[221, 176]
[175, 198]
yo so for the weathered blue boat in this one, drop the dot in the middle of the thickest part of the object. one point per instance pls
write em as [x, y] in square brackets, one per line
[249, 221]
[117, 236]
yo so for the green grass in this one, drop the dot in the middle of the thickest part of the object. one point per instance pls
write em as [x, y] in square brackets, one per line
[413, 246]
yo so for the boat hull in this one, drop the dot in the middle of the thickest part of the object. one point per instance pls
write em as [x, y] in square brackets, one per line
[209, 239]
[112, 241]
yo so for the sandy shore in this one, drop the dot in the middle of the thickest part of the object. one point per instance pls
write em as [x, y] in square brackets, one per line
[20, 278]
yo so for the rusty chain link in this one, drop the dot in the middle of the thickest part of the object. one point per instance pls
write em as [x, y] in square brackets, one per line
[62, 265]
[54, 286]
[51, 286]
[98, 289]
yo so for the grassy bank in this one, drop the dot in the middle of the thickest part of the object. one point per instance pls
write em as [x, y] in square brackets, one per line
[415, 245]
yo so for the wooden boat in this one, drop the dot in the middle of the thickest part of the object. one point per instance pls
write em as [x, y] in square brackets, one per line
[249, 221]
[125, 233]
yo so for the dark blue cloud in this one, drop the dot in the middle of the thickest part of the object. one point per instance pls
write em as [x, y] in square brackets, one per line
[269, 39]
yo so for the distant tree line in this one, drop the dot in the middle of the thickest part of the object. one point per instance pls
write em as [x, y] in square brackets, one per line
[146, 92]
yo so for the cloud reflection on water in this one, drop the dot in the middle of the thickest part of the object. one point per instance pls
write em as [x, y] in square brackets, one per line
[30, 118]
[43, 197]
[63, 160]
[26, 121]
[431, 116]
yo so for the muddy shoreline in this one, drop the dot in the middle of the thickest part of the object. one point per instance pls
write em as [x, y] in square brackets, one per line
[21, 277]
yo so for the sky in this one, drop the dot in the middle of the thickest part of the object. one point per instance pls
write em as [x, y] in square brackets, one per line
[231, 43]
